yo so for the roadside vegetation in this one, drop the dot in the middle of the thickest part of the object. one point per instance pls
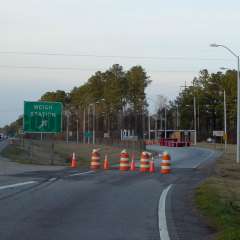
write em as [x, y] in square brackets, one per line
[60, 153]
[218, 197]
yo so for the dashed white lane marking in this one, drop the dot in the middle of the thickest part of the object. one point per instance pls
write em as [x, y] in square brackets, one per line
[17, 185]
[162, 220]
[80, 173]
[52, 179]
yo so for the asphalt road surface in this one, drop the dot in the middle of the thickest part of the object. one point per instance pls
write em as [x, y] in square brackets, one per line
[63, 204]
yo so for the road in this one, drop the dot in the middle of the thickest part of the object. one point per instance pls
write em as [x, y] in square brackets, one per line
[80, 204]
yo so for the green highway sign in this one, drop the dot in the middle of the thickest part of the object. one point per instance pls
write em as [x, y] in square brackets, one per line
[88, 134]
[42, 117]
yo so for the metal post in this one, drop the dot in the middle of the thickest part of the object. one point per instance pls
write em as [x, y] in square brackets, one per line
[177, 118]
[198, 118]
[77, 133]
[165, 135]
[195, 119]
[161, 127]
[67, 128]
[225, 120]
[143, 122]
[94, 116]
[88, 124]
[156, 120]
[84, 125]
[149, 127]
[238, 110]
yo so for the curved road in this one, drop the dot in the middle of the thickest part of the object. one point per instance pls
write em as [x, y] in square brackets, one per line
[72, 204]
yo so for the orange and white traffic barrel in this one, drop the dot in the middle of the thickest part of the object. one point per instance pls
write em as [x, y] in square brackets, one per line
[145, 162]
[95, 160]
[165, 164]
[124, 161]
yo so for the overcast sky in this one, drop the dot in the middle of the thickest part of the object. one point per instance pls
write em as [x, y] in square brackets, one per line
[176, 33]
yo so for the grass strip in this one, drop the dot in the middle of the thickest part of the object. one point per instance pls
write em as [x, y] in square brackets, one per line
[221, 209]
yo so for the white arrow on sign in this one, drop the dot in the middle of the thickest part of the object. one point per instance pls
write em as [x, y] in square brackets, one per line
[43, 124]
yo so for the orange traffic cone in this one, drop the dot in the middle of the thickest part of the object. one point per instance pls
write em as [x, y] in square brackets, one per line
[106, 163]
[74, 161]
[152, 166]
[133, 165]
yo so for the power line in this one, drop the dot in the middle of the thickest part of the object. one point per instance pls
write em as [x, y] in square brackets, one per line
[85, 69]
[114, 56]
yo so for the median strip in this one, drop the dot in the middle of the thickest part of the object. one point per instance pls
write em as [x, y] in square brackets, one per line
[17, 185]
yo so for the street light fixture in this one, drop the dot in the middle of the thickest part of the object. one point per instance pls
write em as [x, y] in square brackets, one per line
[238, 95]
[224, 68]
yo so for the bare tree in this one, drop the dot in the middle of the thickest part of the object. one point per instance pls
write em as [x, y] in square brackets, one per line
[161, 103]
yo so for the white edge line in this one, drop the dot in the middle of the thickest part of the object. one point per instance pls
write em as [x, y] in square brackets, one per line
[81, 173]
[162, 220]
[16, 185]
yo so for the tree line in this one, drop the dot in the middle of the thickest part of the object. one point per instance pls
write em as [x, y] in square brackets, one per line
[116, 96]
[208, 90]
[118, 99]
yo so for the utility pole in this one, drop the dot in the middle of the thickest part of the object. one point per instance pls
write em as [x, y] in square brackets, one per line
[194, 113]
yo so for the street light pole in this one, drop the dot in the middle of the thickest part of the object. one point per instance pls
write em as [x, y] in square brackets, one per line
[149, 126]
[84, 125]
[165, 135]
[238, 111]
[67, 127]
[225, 120]
[177, 117]
[195, 119]
[238, 96]
[94, 116]
[88, 124]
[156, 123]
[77, 133]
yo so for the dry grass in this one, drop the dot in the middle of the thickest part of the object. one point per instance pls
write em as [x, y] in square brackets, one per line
[59, 153]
